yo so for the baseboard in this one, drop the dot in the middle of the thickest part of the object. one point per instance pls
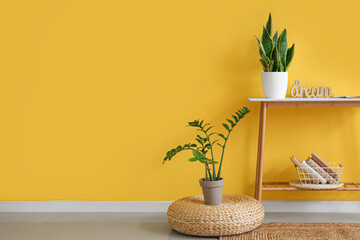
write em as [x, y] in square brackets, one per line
[312, 206]
[84, 206]
[161, 206]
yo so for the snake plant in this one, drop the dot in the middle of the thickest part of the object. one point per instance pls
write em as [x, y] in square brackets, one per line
[206, 144]
[275, 56]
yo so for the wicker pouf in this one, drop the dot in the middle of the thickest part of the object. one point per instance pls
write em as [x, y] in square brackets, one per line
[235, 215]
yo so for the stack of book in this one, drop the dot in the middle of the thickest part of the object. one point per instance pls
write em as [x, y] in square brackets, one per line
[314, 170]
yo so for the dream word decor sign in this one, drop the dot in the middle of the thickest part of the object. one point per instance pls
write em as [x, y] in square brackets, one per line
[314, 92]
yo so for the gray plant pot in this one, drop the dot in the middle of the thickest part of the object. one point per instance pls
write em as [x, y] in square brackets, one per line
[212, 191]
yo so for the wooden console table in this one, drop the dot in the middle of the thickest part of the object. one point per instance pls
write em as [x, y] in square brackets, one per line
[293, 103]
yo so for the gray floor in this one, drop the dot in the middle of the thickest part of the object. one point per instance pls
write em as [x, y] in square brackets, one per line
[127, 226]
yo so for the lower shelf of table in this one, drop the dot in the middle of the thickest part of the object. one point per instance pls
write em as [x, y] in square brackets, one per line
[284, 186]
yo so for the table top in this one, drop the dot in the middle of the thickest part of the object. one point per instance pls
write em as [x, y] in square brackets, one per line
[332, 99]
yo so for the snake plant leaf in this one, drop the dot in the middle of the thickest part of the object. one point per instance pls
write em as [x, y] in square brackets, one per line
[266, 42]
[266, 59]
[289, 56]
[263, 64]
[282, 45]
[281, 67]
[261, 48]
[275, 39]
[276, 58]
[270, 25]
[270, 66]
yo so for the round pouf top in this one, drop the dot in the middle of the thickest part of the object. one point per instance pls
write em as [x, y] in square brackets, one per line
[236, 214]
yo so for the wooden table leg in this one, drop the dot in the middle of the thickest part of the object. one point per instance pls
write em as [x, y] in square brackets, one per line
[260, 156]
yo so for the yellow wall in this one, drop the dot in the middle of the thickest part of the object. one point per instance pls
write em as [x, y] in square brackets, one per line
[93, 93]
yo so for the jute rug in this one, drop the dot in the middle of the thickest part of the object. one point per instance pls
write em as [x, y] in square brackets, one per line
[301, 231]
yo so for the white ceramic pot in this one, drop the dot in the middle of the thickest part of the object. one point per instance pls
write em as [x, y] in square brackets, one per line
[274, 84]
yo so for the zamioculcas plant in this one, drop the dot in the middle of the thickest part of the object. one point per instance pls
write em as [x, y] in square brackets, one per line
[205, 144]
[275, 56]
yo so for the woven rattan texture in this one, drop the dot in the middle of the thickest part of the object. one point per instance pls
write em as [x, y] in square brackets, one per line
[301, 231]
[235, 215]
[296, 183]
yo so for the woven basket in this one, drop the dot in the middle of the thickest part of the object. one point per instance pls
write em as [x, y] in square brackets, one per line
[308, 178]
[235, 215]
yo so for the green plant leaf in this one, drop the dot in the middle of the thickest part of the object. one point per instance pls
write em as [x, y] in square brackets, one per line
[282, 46]
[203, 161]
[263, 64]
[276, 57]
[192, 124]
[209, 128]
[270, 25]
[226, 126]
[275, 39]
[222, 135]
[231, 122]
[261, 48]
[266, 42]
[206, 160]
[265, 58]
[281, 66]
[192, 159]
[206, 124]
[197, 154]
[235, 118]
[170, 154]
[289, 56]
[270, 66]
